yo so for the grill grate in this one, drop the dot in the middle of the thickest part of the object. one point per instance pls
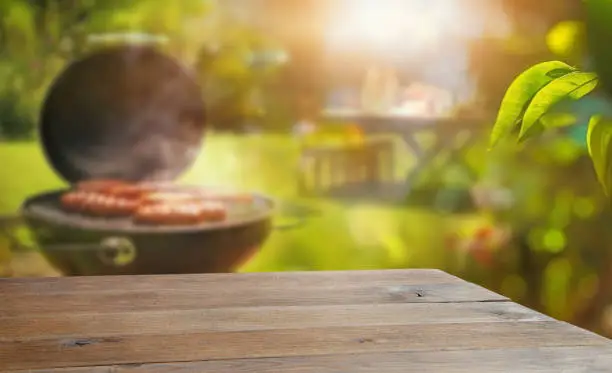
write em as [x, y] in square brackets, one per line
[47, 207]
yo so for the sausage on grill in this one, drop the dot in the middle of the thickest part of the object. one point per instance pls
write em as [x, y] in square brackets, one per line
[74, 201]
[213, 211]
[170, 198]
[166, 214]
[146, 203]
[180, 213]
[98, 204]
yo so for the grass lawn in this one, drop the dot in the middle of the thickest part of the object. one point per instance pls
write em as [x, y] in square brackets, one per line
[360, 236]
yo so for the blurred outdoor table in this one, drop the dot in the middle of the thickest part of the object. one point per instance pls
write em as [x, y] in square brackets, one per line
[452, 134]
[309, 322]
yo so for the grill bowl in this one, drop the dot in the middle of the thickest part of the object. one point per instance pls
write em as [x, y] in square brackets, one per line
[85, 246]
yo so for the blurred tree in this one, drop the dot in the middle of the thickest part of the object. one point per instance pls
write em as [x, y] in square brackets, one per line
[235, 68]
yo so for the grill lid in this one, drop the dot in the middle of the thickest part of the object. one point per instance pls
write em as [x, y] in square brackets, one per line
[127, 112]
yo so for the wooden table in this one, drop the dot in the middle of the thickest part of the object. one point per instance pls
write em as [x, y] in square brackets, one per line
[319, 322]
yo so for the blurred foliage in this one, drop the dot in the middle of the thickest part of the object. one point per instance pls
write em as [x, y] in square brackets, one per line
[567, 40]
[537, 91]
[598, 37]
[534, 96]
[235, 71]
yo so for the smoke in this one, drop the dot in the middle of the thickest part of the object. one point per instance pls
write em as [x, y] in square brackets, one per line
[126, 112]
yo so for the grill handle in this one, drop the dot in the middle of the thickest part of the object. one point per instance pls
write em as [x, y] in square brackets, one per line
[112, 251]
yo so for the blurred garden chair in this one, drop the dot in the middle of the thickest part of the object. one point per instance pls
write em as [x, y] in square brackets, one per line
[363, 169]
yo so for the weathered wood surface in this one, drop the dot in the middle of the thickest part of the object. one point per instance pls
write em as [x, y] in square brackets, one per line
[323, 322]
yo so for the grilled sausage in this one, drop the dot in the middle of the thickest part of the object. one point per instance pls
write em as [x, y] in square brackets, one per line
[146, 204]
[119, 206]
[213, 211]
[73, 201]
[166, 214]
[170, 198]
[98, 204]
[180, 213]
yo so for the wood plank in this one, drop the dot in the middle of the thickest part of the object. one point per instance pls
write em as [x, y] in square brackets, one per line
[537, 360]
[245, 295]
[96, 325]
[191, 282]
[56, 353]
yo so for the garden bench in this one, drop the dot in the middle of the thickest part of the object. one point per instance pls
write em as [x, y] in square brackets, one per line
[384, 321]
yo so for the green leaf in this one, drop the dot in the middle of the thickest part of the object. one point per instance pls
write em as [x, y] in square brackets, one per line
[573, 86]
[521, 92]
[599, 142]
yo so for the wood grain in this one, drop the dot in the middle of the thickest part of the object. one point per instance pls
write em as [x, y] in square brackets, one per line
[522, 360]
[55, 353]
[191, 282]
[245, 295]
[98, 325]
[301, 322]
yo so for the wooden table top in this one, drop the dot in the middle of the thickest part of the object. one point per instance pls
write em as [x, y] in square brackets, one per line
[393, 321]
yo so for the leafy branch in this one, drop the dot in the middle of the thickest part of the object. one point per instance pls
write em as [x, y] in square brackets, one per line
[533, 95]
